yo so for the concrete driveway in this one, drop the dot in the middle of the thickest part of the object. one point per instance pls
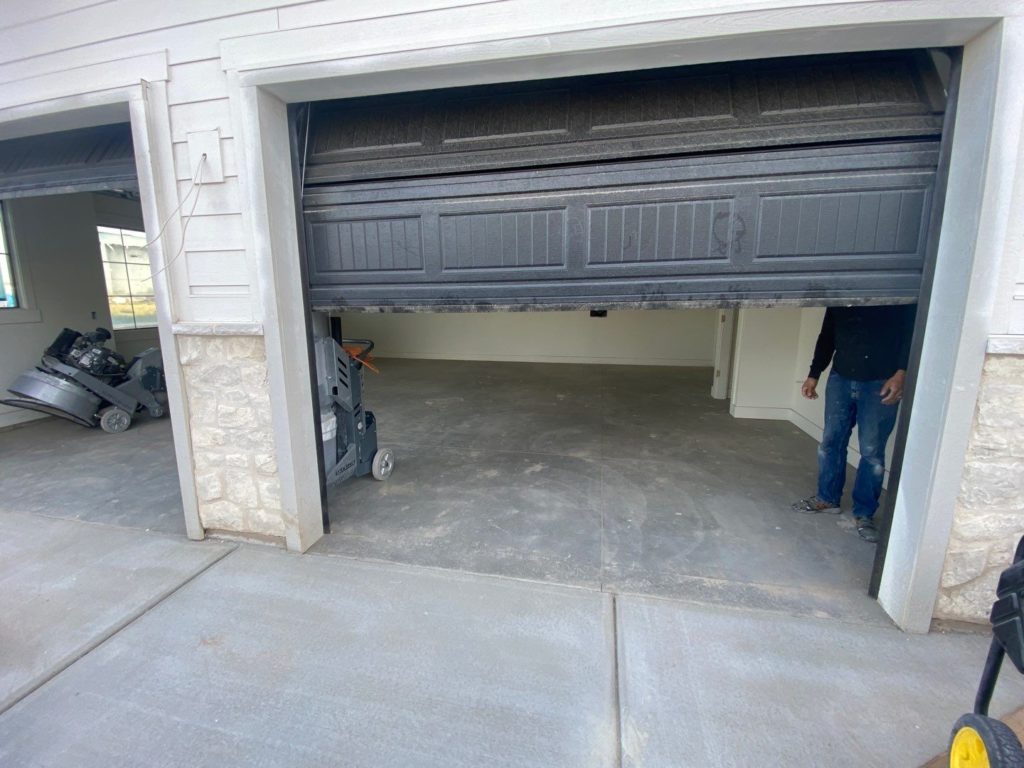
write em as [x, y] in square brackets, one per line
[126, 648]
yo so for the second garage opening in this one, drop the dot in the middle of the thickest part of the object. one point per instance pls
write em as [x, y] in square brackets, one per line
[649, 436]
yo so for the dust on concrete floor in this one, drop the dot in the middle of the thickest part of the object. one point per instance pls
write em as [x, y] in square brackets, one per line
[626, 478]
[55, 468]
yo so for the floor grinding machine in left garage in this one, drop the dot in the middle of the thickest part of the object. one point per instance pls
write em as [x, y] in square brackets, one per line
[81, 380]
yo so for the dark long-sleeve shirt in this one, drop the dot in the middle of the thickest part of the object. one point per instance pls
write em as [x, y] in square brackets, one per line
[867, 343]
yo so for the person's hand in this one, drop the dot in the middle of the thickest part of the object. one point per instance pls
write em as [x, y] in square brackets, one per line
[809, 388]
[892, 389]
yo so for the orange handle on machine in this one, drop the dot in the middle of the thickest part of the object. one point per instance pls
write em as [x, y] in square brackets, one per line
[354, 352]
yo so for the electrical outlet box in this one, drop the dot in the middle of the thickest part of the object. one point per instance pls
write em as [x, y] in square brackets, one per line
[208, 143]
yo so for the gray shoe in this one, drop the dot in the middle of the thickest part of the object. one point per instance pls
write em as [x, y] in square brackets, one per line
[812, 505]
[866, 529]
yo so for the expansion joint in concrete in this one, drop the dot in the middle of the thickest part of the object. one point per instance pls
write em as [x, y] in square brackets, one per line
[616, 679]
[114, 629]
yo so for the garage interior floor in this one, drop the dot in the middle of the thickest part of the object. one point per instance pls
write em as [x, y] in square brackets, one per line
[630, 479]
[55, 468]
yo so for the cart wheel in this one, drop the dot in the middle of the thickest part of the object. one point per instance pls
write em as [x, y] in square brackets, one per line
[157, 411]
[983, 742]
[383, 464]
[114, 419]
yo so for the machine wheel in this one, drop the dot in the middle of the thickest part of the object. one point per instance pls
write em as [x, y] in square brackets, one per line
[983, 742]
[383, 464]
[114, 419]
[157, 411]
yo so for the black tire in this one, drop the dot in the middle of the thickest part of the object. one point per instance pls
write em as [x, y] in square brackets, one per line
[1001, 743]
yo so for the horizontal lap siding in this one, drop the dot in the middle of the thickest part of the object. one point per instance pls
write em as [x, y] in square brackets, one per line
[214, 264]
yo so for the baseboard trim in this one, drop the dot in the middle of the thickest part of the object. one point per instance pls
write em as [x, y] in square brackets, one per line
[15, 417]
[758, 412]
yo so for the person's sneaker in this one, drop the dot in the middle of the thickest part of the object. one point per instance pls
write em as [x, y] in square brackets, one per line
[812, 505]
[866, 529]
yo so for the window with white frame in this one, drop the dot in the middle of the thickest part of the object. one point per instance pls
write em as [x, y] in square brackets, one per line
[8, 290]
[129, 278]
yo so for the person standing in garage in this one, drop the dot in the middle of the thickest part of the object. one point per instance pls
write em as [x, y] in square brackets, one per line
[868, 348]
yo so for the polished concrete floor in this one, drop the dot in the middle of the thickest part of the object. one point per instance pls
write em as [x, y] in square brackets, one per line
[631, 480]
[55, 468]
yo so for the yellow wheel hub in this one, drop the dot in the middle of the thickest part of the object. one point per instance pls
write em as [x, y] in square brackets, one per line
[968, 750]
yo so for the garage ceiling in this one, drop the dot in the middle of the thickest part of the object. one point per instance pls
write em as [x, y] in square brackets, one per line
[804, 180]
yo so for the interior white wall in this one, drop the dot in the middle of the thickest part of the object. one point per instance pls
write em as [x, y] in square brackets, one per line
[764, 359]
[55, 245]
[642, 337]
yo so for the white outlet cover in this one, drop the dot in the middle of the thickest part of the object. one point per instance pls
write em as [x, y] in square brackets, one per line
[208, 142]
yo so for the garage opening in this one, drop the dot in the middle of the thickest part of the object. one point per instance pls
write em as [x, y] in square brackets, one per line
[83, 432]
[593, 300]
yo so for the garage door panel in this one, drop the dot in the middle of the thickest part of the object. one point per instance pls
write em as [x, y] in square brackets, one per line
[681, 110]
[826, 226]
[644, 188]
[653, 233]
[872, 222]
[709, 290]
[815, 167]
[520, 240]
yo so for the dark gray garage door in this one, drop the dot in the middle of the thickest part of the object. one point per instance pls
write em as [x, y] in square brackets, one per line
[803, 180]
[84, 159]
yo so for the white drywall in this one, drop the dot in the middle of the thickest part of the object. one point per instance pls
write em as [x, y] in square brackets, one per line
[763, 363]
[651, 337]
[57, 252]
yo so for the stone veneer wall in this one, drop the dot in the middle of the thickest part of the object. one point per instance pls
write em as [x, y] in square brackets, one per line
[232, 435]
[990, 510]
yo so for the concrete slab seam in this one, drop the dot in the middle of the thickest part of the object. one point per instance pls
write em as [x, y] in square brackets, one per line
[110, 632]
[613, 593]
[101, 524]
[616, 679]
[453, 571]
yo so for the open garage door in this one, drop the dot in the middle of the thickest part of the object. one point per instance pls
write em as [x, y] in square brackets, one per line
[805, 180]
[81, 160]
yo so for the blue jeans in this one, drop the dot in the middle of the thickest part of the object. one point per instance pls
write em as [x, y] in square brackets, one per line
[849, 403]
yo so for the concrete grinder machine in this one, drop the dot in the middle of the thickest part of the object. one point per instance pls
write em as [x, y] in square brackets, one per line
[81, 380]
[349, 432]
